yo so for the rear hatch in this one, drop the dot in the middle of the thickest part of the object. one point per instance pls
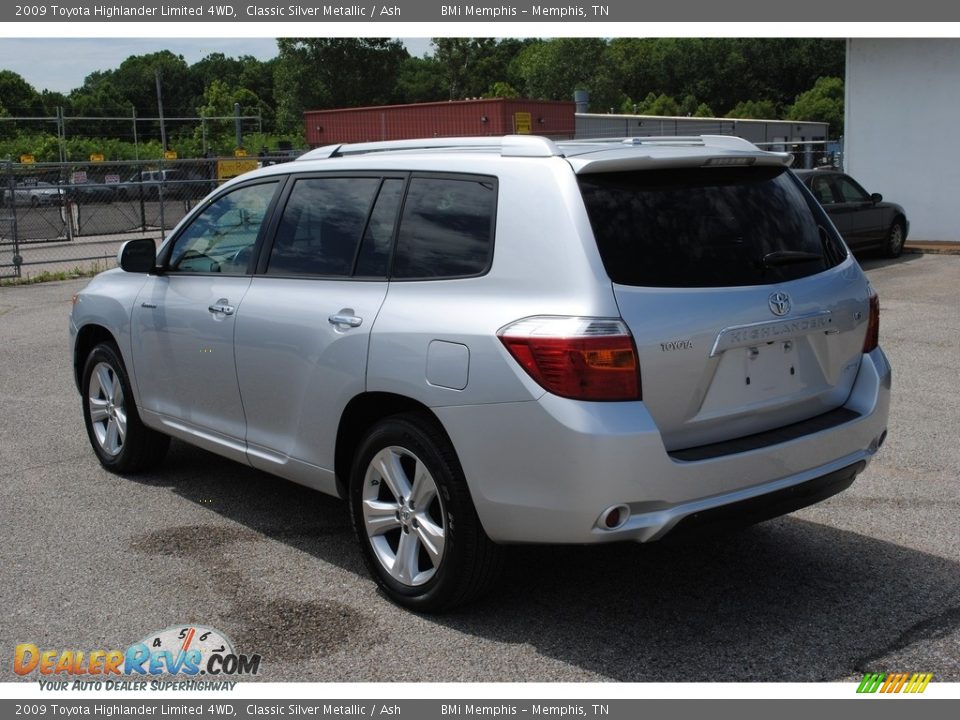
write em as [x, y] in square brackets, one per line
[730, 279]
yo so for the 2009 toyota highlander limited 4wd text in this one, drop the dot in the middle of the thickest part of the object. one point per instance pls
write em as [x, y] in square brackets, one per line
[485, 341]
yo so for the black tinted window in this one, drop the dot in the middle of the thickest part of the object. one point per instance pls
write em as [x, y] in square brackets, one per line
[321, 225]
[378, 237]
[850, 191]
[447, 228]
[707, 227]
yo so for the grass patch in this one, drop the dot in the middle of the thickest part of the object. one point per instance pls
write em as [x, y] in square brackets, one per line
[54, 275]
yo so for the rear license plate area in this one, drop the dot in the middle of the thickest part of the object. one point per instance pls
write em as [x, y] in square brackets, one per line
[771, 369]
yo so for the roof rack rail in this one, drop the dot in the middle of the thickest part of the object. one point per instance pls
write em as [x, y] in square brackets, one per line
[728, 142]
[509, 145]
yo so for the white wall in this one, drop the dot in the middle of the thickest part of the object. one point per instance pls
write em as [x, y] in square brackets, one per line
[900, 137]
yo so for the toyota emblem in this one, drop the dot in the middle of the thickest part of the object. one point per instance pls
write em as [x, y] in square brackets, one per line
[779, 303]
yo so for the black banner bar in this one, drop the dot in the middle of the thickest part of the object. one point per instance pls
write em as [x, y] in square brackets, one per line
[419, 11]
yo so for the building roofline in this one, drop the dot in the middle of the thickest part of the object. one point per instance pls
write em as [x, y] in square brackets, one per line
[442, 103]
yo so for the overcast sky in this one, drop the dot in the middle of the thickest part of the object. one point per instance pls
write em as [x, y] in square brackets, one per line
[63, 63]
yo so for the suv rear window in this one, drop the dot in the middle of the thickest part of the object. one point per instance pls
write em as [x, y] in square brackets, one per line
[707, 227]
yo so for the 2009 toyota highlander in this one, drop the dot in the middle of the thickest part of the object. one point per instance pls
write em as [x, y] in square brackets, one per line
[484, 341]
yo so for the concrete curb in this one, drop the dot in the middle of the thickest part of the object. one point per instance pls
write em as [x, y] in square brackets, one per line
[932, 247]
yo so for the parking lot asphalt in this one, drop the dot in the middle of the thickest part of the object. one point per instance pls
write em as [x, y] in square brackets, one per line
[867, 581]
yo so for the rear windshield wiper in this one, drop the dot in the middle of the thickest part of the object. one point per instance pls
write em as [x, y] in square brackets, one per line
[789, 257]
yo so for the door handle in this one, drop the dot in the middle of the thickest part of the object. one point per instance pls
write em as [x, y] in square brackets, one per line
[222, 307]
[343, 318]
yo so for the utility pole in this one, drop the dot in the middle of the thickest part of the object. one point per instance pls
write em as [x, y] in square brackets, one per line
[163, 129]
[61, 134]
[236, 124]
[136, 145]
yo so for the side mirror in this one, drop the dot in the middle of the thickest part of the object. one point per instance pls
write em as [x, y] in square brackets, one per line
[138, 256]
[876, 197]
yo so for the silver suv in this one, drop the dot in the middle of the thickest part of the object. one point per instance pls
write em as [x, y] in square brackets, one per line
[486, 341]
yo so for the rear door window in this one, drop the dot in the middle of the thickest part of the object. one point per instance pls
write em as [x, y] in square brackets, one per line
[707, 227]
[321, 226]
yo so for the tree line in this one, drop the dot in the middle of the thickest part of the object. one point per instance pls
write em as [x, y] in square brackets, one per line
[785, 78]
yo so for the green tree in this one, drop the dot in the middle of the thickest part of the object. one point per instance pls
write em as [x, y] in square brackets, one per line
[722, 72]
[421, 80]
[822, 103]
[462, 61]
[317, 73]
[754, 109]
[553, 69]
[219, 136]
[661, 104]
[19, 97]
[502, 90]
[135, 81]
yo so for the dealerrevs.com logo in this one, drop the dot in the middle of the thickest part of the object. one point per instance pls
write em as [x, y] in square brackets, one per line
[180, 650]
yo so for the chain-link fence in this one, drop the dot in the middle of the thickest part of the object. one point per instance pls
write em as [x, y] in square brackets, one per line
[64, 217]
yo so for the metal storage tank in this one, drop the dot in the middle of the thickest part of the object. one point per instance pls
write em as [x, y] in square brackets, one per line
[477, 117]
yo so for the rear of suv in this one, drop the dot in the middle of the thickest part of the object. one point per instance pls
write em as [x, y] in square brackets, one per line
[487, 341]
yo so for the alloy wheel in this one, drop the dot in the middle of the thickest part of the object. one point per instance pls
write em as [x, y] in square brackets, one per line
[403, 514]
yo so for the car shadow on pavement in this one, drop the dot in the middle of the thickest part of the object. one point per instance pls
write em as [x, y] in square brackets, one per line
[788, 600]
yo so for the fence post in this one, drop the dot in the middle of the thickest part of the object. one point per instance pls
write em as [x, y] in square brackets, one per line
[143, 206]
[11, 187]
[163, 224]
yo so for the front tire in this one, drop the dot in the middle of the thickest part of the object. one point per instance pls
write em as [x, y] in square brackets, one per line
[416, 523]
[895, 239]
[121, 441]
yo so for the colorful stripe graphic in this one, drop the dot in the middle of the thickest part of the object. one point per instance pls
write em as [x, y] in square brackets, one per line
[894, 682]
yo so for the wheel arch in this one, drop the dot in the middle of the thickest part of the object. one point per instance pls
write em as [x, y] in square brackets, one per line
[361, 413]
[88, 337]
[900, 217]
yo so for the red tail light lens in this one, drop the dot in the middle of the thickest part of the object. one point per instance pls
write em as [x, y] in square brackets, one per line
[872, 340]
[578, 358]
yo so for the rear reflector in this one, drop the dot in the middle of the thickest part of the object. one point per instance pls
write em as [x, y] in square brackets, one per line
[575, 357]
[872, 340]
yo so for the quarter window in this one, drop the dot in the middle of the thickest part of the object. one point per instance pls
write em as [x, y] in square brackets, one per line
[221, 238]
[447, 228]
[321, 226]
[850, 191]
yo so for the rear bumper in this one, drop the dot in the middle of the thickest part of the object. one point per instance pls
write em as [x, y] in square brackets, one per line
[545, 470]
[769, 504]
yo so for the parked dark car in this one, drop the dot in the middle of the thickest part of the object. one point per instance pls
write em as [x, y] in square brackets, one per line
[89, 191]
[864, 220]
[176, 184]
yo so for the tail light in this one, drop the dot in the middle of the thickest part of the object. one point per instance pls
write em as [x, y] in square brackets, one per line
[872, 340]
[576, 357]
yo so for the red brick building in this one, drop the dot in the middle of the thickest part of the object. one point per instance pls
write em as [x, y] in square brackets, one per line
[494, 116]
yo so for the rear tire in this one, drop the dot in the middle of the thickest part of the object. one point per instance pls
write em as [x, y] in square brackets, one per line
[121, 441]
[895, 239]
[414, 518]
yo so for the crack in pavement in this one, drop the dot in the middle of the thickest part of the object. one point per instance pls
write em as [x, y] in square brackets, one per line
[932, 628]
